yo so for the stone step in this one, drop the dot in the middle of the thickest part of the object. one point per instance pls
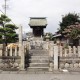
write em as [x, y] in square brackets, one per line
[39, 57]
[39, 54]
[35, 69]
[38, 65]
[36, 47]
[39, 51]
[39, 60]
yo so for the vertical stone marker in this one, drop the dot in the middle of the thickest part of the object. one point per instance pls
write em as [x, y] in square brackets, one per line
[21, 49]
[55, 57]
[51, 56]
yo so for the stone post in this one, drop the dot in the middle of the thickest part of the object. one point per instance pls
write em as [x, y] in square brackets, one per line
[51, 56]
[0, 52]
[78, 51]
[74, 50]
[70, 52]
[11, 51]
[55, 57]
[20, 40]
[16, 51]
[6, 52]
[21, 52]
[65, 52]
[22, 59]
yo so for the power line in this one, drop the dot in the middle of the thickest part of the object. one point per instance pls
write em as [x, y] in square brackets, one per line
[8, 17]
[5, 8]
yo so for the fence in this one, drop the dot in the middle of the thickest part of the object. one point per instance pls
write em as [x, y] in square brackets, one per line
[11, 60]
[69, 57]
[61, 57]
[65, 57]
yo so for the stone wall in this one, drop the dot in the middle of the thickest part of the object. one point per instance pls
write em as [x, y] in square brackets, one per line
[11, 60]
[69, 57]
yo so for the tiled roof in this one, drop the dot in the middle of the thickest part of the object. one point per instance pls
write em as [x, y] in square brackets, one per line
[39, 21]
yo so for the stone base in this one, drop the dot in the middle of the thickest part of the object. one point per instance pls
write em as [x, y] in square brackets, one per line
[50, 69]
[22, 69]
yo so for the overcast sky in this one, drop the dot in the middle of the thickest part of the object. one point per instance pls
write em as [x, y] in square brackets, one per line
[20, 11]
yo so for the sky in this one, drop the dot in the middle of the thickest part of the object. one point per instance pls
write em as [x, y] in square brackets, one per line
[20, 11]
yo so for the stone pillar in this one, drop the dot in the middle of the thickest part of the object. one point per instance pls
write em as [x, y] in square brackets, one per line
[6, 52]
[21, 52]
[20, 40]
[78, 51]
[70, 52]
[11, 51]
[1, 52]
[51, 56]
[74, 50]
[55, 57]
[65, 53]
[22, 59]
[16, 51]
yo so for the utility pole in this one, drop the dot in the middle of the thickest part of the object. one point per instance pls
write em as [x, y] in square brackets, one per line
[5, 6]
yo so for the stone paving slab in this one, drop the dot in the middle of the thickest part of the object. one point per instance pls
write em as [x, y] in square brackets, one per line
[50, 76]
[40, 72]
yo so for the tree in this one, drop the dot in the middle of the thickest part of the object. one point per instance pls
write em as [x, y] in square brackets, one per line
[68, 20]
[72, 31]
[8, 30]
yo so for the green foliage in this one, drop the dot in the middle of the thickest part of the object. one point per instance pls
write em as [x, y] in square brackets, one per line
[68, 20]
[72, 31]
[49, 35]
[11, 26]
[8, 30]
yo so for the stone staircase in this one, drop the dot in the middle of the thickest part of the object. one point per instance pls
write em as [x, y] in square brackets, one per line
[38, 60]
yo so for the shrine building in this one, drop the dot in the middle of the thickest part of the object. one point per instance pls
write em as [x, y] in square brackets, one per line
[38, 24]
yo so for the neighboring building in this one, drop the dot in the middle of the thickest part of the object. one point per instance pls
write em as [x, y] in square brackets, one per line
[61, 40]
